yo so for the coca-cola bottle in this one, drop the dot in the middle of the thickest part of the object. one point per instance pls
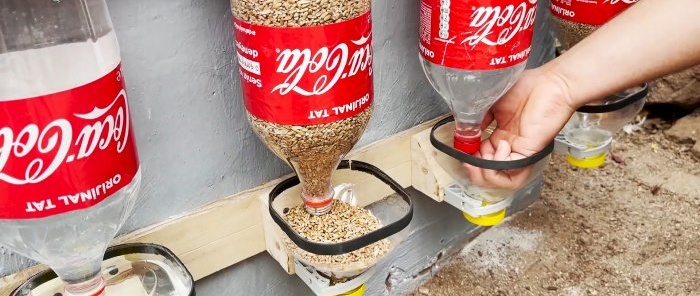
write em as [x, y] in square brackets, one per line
[306, 77]
[472, 52]
[69, 167]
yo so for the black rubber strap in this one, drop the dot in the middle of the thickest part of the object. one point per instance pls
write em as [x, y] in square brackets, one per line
[34, 282]
[483, 163]
[617, 105]
[353, 244]
[111, 252]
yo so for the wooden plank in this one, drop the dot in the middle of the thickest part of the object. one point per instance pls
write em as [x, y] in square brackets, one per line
[273, 240]
[430, 168]
[234, 248]
[233, 229]
[206, 225]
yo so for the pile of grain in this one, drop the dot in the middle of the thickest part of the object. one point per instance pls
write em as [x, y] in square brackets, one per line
[344, 222]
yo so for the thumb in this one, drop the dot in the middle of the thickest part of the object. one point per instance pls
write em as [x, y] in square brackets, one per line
[503, 151]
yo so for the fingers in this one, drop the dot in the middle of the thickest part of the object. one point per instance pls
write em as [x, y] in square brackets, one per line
[502, 151]
[502, 179]
[497, 178]
[487, 147]
[475, 173]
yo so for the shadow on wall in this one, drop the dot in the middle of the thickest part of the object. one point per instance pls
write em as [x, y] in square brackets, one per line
[194, 141]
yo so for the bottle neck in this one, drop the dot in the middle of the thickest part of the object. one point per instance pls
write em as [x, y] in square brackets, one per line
[318, 205]
[467, 134]
[92, 287]
[467, 144]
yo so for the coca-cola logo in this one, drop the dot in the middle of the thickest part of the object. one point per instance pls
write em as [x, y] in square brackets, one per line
[498, 25]
[326, 66]
[61, 142]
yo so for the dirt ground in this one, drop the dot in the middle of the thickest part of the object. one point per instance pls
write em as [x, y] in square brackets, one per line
[629, 228]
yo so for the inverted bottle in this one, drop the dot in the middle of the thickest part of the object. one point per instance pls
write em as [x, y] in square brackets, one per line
[471, 58]
[307, 85]
[73, 175]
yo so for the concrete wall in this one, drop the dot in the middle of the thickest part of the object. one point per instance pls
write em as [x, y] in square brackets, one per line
[194, 142]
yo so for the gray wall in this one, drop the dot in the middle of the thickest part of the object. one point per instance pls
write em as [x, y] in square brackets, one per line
[194, 142]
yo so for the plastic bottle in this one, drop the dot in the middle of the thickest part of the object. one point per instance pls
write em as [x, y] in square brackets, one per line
[306, 79]
[472, 53]
[69, 167]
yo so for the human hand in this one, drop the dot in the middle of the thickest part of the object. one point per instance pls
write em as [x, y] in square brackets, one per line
[527, 117]
[650, 39]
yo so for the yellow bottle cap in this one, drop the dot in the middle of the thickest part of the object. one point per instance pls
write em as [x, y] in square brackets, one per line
[359, 291]
[487, 220]
[587, 163]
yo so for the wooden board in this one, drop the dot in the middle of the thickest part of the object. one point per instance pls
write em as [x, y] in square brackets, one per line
[427, 174]
[233, 229]
[230, 228]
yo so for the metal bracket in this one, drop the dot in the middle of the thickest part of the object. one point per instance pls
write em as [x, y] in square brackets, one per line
[321, 286]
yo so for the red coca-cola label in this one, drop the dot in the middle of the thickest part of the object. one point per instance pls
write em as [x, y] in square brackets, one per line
[476, 34]
[307, 75]
[65, 151]
[591, 12]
